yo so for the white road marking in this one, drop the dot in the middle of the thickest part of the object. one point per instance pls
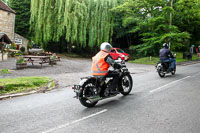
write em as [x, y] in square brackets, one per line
[75, 121]
[157, 89]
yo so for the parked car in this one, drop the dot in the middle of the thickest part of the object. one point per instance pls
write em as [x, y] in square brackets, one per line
[118, 53]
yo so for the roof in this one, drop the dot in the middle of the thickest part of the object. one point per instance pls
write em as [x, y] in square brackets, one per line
[6, 38]
[19, 36]
[4, 7]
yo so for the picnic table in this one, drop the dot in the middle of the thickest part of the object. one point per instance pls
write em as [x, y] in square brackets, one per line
[12, 52]
[38, 59]
[51, 54]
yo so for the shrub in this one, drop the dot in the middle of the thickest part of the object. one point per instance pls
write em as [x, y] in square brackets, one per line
[22, 49]
[20, 60]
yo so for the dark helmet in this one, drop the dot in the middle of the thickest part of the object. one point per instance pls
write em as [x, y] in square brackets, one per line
[165, 45]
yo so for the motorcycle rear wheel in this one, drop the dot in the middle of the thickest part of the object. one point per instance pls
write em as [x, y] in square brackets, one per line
[161, 72]
[126, 84]
[87, 91]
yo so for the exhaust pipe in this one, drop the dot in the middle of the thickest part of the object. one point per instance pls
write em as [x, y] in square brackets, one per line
[94, 98]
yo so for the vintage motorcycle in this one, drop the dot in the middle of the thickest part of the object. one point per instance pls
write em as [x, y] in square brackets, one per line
[91, 89]
[164, 68]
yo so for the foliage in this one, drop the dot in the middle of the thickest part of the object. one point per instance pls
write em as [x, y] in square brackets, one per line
[4, 71]
[5, 1]
[149, 20]
[14, 85]
[19, 53]
[187, 18]
[22, 49]
[20, 60]
[22, 9]
[53, 57]
[145, 24]
[13, 46]
[83, 23]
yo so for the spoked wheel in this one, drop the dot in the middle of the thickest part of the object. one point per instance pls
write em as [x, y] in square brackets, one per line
[88, 91]
[161, 72]
[174, 71]
[126, 84]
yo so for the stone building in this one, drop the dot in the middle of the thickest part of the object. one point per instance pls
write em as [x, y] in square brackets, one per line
[7, 26]
[7, 21]
[20, 41]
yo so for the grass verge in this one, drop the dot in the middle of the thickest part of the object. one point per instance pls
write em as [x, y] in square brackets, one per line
[4, 71]
[154, 60]
[23, 84]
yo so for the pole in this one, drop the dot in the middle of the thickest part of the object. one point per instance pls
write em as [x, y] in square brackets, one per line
[170, 19]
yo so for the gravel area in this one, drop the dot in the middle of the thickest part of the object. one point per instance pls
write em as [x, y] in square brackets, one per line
[67, 72]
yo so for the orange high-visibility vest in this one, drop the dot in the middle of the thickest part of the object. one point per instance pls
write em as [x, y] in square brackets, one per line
[99, 66]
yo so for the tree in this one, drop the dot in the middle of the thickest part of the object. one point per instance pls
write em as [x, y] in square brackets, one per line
[5, 1]
[150, 20]
[81, 23]
[22, 9]
[187, 18]
[121, 34]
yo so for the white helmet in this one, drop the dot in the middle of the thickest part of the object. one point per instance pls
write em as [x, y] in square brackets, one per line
[165, 45]
[105, 47]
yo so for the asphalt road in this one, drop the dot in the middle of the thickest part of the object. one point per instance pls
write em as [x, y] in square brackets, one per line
[156, 105]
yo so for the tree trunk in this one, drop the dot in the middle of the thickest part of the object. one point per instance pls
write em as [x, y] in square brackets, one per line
[69, 49]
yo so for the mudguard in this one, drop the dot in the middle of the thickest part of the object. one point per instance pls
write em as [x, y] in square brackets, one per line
[85, 79]
[159, 66]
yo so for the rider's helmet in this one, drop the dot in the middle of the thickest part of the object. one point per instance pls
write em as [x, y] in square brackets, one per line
[105, 47]
[165, 45]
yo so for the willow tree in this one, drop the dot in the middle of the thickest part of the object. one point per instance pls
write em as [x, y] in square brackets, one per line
[82, 23]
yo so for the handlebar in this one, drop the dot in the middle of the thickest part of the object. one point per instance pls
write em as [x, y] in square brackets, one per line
[120, 63]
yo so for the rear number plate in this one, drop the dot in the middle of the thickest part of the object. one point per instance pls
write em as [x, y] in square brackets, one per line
[76, 88]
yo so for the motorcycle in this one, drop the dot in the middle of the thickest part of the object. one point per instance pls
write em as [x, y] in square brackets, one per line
[164, 68]
[91, 89]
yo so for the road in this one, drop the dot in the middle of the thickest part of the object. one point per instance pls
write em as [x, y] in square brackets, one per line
[156, 105]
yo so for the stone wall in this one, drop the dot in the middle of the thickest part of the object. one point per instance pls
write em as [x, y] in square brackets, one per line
[7, 24]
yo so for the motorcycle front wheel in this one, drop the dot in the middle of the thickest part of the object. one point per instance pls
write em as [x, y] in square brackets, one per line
[87, 91]
[174, 71]
[126, 84]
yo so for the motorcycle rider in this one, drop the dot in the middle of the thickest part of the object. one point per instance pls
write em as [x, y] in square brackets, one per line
[167, 56]
[101, 63]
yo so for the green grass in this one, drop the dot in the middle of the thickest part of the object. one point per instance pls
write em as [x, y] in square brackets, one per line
[154, 60]
[4, 71]
[22, 84]
[145, 60]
